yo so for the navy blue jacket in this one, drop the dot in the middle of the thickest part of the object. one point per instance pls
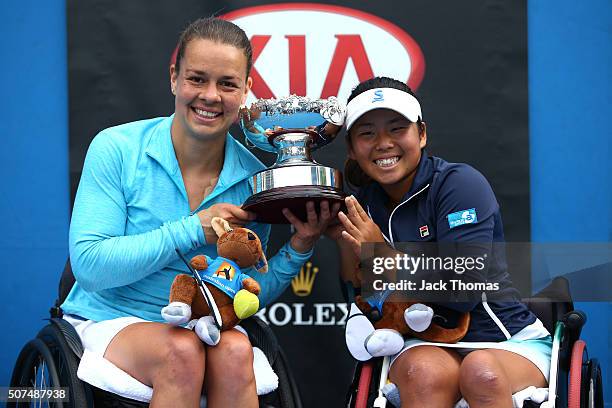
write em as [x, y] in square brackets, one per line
[431, 211]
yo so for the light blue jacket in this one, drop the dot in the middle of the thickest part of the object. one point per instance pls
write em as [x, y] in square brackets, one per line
[130, 213]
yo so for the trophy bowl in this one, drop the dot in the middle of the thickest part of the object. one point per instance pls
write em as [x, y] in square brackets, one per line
[292, 127]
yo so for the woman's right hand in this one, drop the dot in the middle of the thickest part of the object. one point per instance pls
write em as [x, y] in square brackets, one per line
[358, 226]
[334, 230]
[349, 270]
[233, 214]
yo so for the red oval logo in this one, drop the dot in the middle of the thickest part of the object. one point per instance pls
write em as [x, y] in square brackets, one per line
[318, 50]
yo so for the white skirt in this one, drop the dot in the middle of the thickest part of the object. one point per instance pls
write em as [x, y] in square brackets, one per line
[533, 342]
[94, 369]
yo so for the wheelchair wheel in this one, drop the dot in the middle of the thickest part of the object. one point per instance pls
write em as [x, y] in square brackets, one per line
[287, 394]
[593, 386]
[577, 359]
[45, 362]
[585, 384]
[364, 388]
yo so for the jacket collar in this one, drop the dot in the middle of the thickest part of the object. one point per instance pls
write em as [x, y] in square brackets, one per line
[376, 198]
[238, 162]
[423, 175]
[160, 147]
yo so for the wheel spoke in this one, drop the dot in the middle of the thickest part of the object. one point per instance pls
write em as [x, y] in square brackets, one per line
[43, 381]
[35, 375]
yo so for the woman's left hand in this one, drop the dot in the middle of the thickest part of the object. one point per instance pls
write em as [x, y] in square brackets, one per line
[307, 233]
[358, 227]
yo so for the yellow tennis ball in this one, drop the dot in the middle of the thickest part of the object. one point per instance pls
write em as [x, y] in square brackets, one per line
[246, 304]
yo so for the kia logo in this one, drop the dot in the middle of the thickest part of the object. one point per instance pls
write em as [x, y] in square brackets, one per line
[318, 50]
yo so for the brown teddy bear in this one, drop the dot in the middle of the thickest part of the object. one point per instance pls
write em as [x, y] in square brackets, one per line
[392, 321]
[416, 320]
[234, 292]
[378, 324]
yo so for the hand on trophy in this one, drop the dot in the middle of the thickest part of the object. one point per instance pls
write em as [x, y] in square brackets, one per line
[334, 230]
[358, 226]
[270, 132]
[334, 116]
[235, 215]
[249, 116]
[308, 232]
[326, 132]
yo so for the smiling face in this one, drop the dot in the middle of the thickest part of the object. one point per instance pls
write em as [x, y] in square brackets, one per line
[387, 147]
[210, 87]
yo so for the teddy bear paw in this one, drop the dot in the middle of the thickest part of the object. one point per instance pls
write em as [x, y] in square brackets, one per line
[207, 330]
[358, 328]
[418, 317]
[176, 313]
[384, 342]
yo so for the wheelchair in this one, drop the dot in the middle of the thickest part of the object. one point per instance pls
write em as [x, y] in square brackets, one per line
[575, 379]
[51, 359]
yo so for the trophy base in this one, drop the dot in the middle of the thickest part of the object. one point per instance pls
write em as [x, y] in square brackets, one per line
[268, 204]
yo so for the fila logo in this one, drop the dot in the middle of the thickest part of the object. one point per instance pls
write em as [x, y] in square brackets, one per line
[320, 50]
[424, 230]
[378, 96]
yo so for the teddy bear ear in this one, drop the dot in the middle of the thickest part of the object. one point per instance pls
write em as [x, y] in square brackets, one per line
[220, 226]
[262, 264]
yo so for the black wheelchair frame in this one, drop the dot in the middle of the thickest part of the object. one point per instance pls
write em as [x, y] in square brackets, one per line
[51, 359]
[577, 382]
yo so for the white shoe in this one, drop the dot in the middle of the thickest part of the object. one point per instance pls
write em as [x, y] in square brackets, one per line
[207, 330]
[176, 313]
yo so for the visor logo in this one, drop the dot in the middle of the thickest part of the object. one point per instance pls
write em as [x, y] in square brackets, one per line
[378, 96]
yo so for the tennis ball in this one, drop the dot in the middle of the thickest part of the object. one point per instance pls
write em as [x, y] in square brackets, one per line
[246, 304]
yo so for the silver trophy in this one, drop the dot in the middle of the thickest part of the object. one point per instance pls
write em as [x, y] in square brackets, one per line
[292, 127]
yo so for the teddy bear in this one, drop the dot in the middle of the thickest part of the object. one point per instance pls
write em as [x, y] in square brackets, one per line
[234, 292]
[377, 325]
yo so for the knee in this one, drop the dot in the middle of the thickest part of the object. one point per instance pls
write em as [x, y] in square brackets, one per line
[234, 357]
[183, 358]
[481, 377]
[421, 377]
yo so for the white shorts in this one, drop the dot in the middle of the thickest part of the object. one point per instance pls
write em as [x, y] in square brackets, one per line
[533, 342]
[94, 369]
[96, 336]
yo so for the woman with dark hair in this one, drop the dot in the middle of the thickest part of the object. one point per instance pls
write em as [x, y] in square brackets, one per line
[407, 196]
[150, 188]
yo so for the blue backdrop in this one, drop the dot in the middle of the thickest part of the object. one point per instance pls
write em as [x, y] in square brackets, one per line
[569, 97]
[569, 108]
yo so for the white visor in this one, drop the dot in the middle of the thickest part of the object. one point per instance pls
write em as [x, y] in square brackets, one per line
[383, 98]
